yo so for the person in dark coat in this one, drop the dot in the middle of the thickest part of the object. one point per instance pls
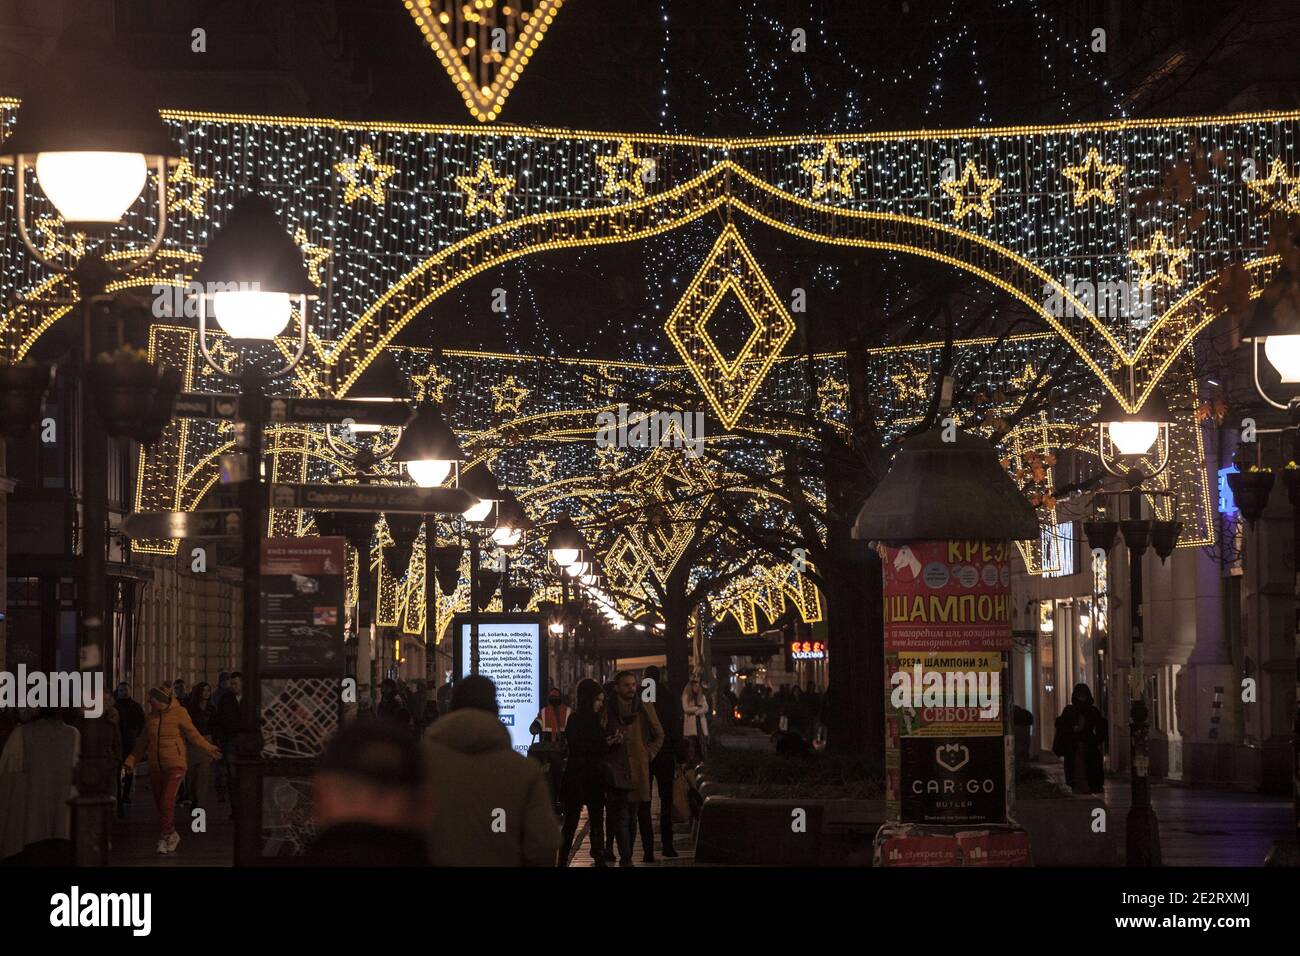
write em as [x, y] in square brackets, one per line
[583, 783]
[368, 799]
[664, 767]
[225, 728]
[1081, 736]
[391, 706]
[131, 723]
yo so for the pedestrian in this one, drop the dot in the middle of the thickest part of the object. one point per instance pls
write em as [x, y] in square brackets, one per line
[130, 717]
[490, 805]
[663, 767]
[36, 782]
[391, 706]
[203, 714]
[695, 720]
[369, 802]
[225, 730]
[642, 739]
[178, 691]
[550, 748]
[167, 730]
[1081, 736]
[589, 741]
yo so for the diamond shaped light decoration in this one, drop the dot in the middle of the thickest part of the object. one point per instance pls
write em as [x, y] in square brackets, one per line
[729, 382]
[484, 45]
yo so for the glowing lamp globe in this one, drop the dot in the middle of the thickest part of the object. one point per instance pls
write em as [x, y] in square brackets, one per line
[1283, 353]
[478, 511]
[91, 186]
[1133, 437]
[428, 473]
[250, 314]
[566, 543]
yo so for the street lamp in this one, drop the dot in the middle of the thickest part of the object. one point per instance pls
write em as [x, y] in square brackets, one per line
[90, 135]
[512, 521]
[428, 447]
[256, 256]
[1274, 327]
[1124, 440]
[566, 542]
[380, 381]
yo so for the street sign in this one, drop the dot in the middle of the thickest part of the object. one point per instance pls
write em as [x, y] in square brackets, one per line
[334, 411]
[307, 411]
[203, 405]
[217, 523]
[371, 498]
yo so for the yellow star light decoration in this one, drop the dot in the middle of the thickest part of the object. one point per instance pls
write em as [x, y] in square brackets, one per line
[57, 241]
[910, 383]
[314, 254]
[841, 172]
[431, 385]
[222, 356]
[1025, 377]
[1160, 262]
[1279, 190]
[483, 46]
[1093, 179]
[832, 395]
[609, 457]
[541, 468]
[490, 184]
[199, 186]
[508, 395]
[963, 192]
[371, 185]
[729, 383]
[615, 166]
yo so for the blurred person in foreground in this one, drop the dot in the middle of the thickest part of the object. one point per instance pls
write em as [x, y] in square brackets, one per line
[490, 805]
[369, 802]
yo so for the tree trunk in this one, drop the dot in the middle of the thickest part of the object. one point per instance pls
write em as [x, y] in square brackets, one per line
[677, 621]
[856, 715]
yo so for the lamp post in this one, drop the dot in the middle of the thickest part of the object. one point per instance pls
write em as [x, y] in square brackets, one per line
[1124, 440]
[480, 483]
[250, 276]
[431, 453]
[566, 546]
[1273, 327]
[90, 138]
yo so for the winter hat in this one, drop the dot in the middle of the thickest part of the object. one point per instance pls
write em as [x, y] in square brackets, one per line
[162, 695]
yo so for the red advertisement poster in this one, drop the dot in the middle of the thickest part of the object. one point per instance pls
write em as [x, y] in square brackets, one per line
[994, 848]
[919, 851]
[948, 596]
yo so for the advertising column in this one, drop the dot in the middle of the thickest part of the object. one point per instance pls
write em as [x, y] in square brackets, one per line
[948, 736]
[301, 659]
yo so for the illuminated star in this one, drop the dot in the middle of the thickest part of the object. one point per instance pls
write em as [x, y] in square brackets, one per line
[614, 167]
[541, 468]
[1093, 179]
[1169, 259]
[314, 254]
[374, 187]
[841, 170]
[1026, 377]
[962, 192]
[609, 457]
[485, 178]
[1279, 190]
[910, 383]
[56, 242]
[832, 394]
[430, 386]
[508, 395]
[222, 356]
[199, 186]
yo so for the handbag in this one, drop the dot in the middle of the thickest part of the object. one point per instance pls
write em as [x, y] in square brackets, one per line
[618, 771]
[681, 797]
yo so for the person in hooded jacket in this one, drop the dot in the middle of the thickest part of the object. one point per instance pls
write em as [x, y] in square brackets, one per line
[1081, 734]
[490, 805]
[167, 730]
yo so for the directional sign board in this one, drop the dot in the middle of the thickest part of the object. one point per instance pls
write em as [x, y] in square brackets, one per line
[200, 405]
[334, 411]
[371, 498]
[217, 523]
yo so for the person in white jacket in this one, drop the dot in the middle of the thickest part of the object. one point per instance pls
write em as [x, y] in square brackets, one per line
[695, 720]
